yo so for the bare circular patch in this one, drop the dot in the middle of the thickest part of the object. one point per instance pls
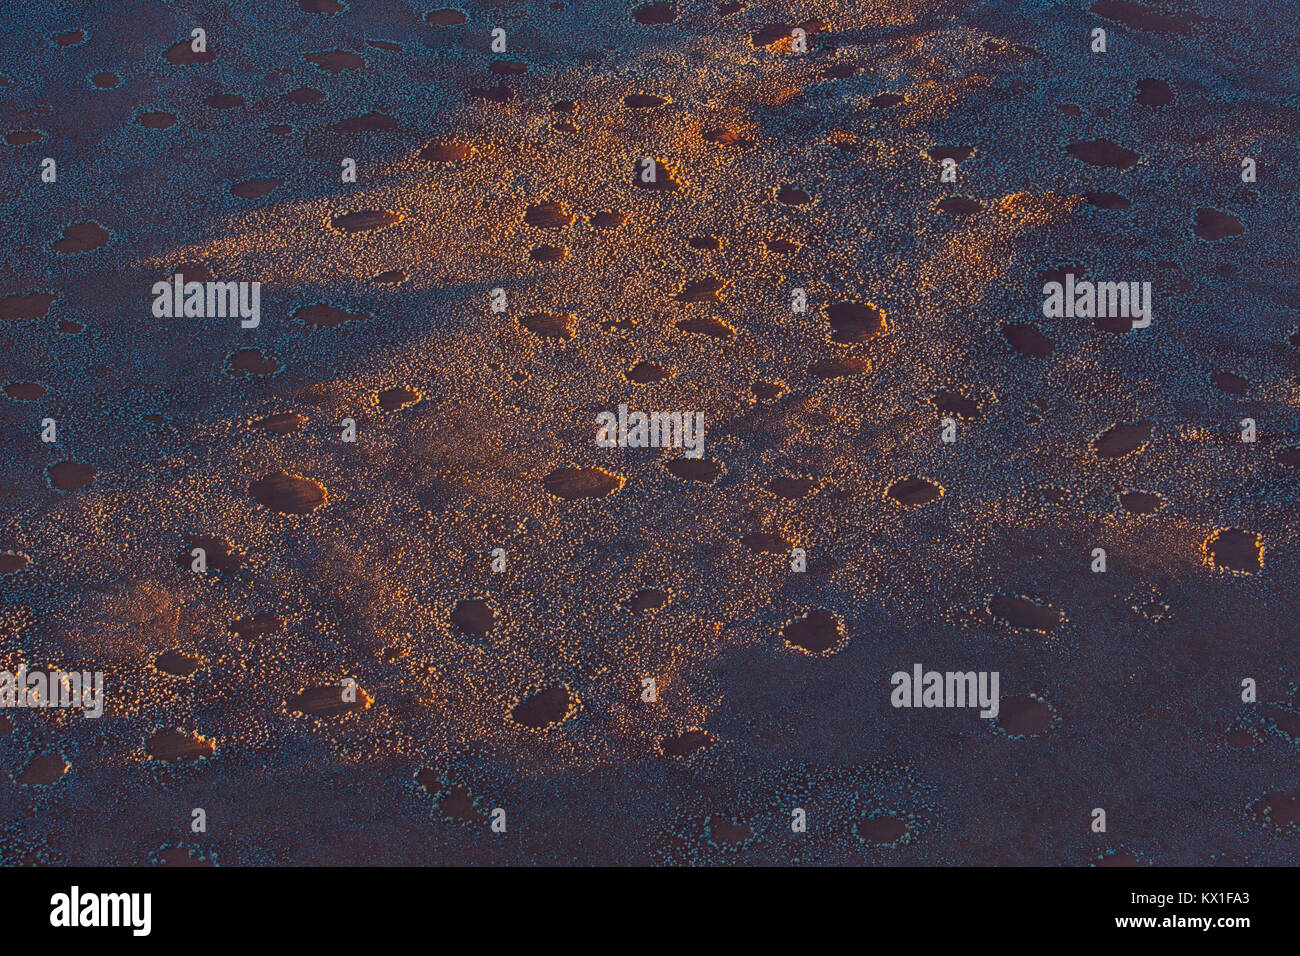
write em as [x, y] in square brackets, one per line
[543, 709]
[574, 483]
[816, 632]
[1232, 549]
[288, 494]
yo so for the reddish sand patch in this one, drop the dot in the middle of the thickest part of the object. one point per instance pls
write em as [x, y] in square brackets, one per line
[815, 632]
[542, 709]
[157, 119]
[175, 746]
[647, 599]
[707, 289]
[320, 6]
[1120, 440]
[643, 101]
[1153, 92]
[366, 220]
[70, 38]
[281, 423]
[81, 237]
[655, 14]
[574, 483]
[647, 373]
[791, 487]
[1024, 613]
[781, 246]
[1102, 152]
[853, 322]
[288, 494]
[1024, 716]
[70, 475]
[773, 33]
[765, 542]
[714, 328]
[912, 492]
[791, 195]
[957, 405]
[959, 206]
[1232, 549]
[694, 469]
[25, 391]
[1141, 17]
[685, 744]
[663, 178]
[882, 830]
[182, 54]
[324, 316]
[390, 277]
[608, 220]
[768, 391]
[304, 96]
[105, 81]
[1289, 457]
[545, 253]
[12, 562]
[473, 616]
[835, 367]
[329, 700]
[446, 151]
[223, 101]
[958, 154]
[20, 307]
[548, 215]
[44, 771]
[218, 554]
[258, 625]
[368, 123]
[1231, 383]
[728, 136]
[176, 663]
[445, 18]
[492, 94]
[251, 362]
[256, 188]
[399, 396]
[335, 61]
[1140, 502]
[458, 804]
[23, 137]
[1212, 225]
[1279, 809]
[1107, 200]
[550, 325]
[1027, 340]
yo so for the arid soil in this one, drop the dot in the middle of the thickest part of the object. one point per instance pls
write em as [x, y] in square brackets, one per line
[777, 166]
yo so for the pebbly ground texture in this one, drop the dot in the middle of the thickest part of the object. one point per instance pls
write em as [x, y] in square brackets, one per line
[776, 169]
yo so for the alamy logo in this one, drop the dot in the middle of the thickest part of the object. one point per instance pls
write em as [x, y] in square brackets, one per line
[75, 909]
[653, 430]
[66, 689]
[949, 689]
[213, 300]
[1099, 300]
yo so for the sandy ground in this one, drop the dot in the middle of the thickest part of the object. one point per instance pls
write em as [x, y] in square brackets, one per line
[522, 690]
